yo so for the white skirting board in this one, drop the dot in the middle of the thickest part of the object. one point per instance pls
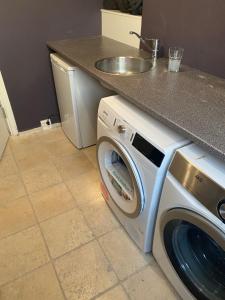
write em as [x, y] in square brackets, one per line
[39, 129]
[117, 25]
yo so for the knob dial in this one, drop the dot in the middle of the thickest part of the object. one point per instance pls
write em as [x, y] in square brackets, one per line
[121, 129]
[221, 209]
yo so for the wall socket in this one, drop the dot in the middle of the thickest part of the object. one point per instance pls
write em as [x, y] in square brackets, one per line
[46, 124]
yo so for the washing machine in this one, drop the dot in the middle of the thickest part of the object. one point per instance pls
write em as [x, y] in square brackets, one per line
[189, 239]
[133, 154]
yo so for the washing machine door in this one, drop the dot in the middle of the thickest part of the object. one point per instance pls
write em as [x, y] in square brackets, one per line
[196, 249]
[120, 176]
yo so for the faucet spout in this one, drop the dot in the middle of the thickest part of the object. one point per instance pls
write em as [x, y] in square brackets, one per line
[152, 45]
[137, 35]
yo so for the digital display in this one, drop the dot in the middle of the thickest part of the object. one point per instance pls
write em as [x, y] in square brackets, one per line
[148, 150]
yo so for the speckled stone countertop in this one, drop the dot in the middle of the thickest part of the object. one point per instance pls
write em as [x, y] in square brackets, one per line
[191, 102]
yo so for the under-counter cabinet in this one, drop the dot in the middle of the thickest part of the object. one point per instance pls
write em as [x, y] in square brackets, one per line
[78, 97]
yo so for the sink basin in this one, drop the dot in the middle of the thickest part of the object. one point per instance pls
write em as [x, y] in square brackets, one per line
[124, 65]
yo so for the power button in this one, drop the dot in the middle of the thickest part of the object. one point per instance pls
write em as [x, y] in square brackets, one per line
[121, 128]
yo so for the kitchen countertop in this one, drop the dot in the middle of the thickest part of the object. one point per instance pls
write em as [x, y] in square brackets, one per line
[191, 102]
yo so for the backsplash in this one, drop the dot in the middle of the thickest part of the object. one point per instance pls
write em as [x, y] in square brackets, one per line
[197, 26]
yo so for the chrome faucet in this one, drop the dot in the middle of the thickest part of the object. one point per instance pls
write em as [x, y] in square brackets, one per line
[152, 45]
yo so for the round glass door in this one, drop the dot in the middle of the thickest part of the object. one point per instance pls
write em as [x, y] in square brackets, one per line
[120, 176]
[196, 249]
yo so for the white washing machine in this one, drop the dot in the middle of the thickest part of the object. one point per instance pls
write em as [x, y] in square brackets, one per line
[189, 239]
[133, 153]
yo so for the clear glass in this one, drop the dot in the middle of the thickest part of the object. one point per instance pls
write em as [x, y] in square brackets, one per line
[175, 57]
[198, 259]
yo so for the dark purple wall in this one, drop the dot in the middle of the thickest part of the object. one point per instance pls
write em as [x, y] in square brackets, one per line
[197, 26]
[25, 26]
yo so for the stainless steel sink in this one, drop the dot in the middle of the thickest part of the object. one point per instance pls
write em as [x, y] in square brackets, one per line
[124, 65]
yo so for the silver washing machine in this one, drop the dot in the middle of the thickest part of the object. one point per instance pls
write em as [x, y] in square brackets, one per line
[189, 239]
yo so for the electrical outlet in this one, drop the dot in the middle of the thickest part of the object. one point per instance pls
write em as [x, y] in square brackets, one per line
[46, 124]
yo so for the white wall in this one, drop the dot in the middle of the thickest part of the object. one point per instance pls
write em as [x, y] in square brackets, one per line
[117, 25]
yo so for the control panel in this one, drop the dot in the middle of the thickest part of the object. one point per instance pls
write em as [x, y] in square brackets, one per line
[123, 129]
[203, 188]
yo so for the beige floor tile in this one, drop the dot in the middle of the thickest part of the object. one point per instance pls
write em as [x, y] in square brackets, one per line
[32, 157]
[116, 293]
[90, 152]
[85, 180]
[24, 138]
[52, 201]
[54, 134]
[85, 188]
[15, 215]
[11, 187]
[21, 253]
[41, 177]
[40, 284]
[88, 196]
[150, 283]
[85, 272]
[66, 232]
[60, 148]
[100, 218]
[7, 166]
[7, 150]
[73, 166]
[122, 253]
[21, 142]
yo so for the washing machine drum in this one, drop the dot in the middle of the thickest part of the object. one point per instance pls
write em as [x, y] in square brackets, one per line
[120, 177]
[196, 249]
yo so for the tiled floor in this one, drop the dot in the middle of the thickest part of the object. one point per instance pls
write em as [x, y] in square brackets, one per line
[58, 239]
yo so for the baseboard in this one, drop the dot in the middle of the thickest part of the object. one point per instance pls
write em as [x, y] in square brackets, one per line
[39, 129]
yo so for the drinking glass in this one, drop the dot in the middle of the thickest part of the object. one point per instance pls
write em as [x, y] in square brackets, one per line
[175, 56]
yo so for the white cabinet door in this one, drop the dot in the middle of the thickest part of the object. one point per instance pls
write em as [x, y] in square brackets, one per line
[4, 132]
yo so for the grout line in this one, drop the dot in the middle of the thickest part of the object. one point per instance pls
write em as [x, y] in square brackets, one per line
[41, 189]
[95, 237]
[47, 187]
[47, 250]
[19, 174]
[120, 282]
[89, 158]
[118, 279]
[84, 216]
[74, 249]
[134, 273]
[37, 224]
[105, 291]
[125, 291]
[24, 274]
[14, 233]
[57, 215]
[105, 233]
[59, 169]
